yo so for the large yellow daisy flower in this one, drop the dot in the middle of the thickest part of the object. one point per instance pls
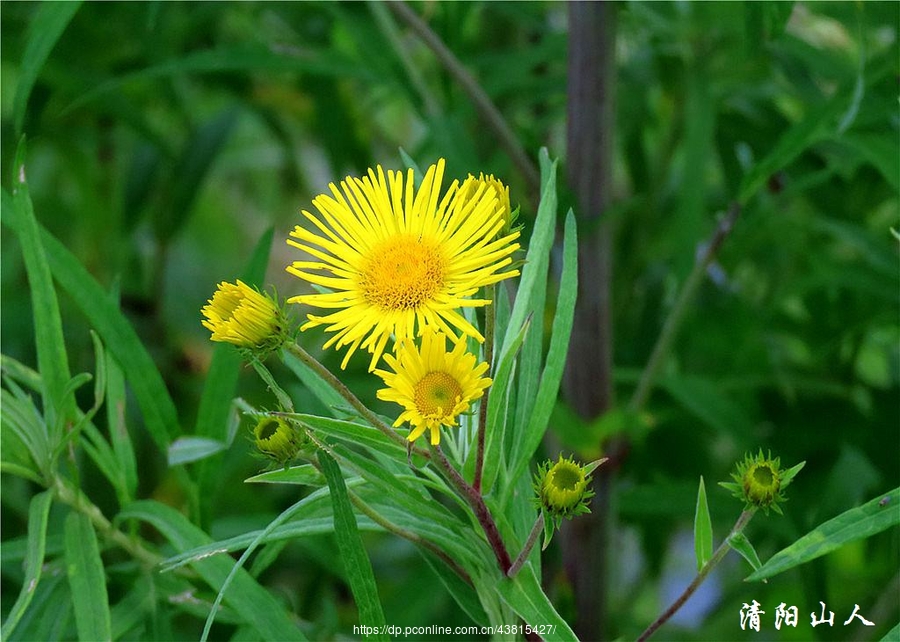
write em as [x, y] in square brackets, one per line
[433, 386]
[397, 259]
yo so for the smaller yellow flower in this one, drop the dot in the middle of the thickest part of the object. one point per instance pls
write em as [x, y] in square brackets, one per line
[433, 386]
[241, 315]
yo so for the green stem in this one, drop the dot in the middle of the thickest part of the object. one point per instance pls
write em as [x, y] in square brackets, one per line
[673, 321]
[483, 404]
[476, 501]
[529, 544]
[352, 399]
[717, 557]
[80, 502]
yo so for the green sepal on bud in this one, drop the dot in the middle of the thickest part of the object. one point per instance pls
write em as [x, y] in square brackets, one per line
[562, 490]
[278, 439]
[760, 482]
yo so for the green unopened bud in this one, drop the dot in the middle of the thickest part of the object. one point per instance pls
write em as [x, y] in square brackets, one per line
[760, 482]
[247, 318]
[278, 439]
[562, 491]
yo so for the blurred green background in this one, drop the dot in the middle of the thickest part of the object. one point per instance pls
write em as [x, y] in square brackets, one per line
[165, 138]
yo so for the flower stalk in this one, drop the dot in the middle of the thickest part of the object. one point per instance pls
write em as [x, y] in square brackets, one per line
[352, 399]
[476, 501]
[529, 544]
[717, 557]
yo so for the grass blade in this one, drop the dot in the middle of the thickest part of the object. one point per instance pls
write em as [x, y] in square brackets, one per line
[703, 533]
[38, 512]
[86, 579]
[353, 553]
[49, 22]
[857, 523]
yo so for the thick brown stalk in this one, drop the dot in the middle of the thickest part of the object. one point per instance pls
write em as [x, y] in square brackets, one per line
[588, 376]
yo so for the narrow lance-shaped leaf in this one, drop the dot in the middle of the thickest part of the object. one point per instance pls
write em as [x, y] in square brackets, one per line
[857, 523]
[38, 512]
[53, 363]
[353, 554]
[527, 440]
[115, 331]
[703, 534]
[86, 579]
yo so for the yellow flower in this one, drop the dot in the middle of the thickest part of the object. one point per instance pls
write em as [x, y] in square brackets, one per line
[397, 259]
[433, 386]
[240, 315]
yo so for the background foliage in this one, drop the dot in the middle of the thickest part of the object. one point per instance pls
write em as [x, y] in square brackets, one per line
[165, 139]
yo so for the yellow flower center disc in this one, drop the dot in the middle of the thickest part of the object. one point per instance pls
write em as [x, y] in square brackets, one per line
[402, 273]
[436, 393]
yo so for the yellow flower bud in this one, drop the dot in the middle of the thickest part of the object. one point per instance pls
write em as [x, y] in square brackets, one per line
[241, 315]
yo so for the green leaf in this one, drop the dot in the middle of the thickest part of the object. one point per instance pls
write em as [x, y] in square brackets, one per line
[116, 333]
[256, 605]
[303, 475]
[53, 363]
[84, 568]
[118, 431]
[893, 635]
[497, 412]
[38, 513]
[527, 440]
[461, 591]
[703, 533]
[353, 553]
[857, 523]
[539, 247]
[284, 399]
[188, 449]
[50, 20]
[353, 433]
[740, 543]
[523, 593]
